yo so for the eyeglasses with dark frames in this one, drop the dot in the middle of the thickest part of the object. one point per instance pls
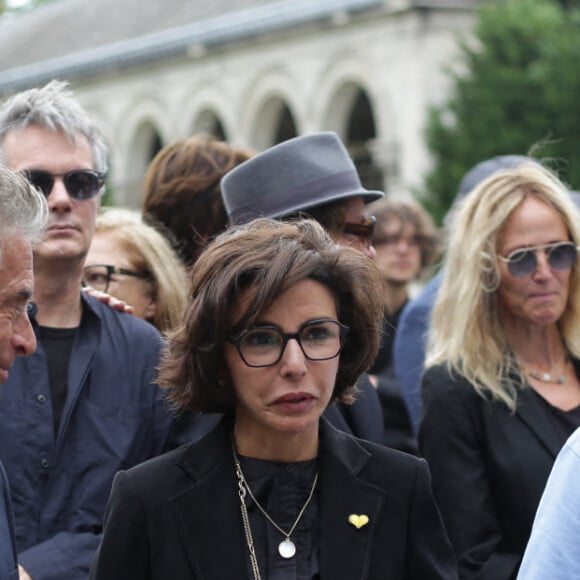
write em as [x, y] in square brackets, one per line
[98, 276]
[80, 184]
[264, 345]
[523, 261]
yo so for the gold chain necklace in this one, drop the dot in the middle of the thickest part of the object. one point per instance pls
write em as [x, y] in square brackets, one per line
[286, 548]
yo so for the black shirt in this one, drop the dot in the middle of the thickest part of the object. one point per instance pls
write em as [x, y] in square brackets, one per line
[282, 490]
[57, 344]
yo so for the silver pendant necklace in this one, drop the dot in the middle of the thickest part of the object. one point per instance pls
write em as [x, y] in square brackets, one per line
[286, 548]
[545, 377]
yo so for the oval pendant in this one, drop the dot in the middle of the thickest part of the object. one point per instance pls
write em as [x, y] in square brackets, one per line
[286, 548]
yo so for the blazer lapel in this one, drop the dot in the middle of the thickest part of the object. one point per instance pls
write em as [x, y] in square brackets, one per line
[208, 512]
[530, 411]
[344, 547]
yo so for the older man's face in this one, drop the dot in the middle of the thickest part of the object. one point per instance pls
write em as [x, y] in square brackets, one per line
[16, 285]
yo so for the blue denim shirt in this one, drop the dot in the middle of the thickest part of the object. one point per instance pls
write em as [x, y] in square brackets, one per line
[113, 418]
[409, 347]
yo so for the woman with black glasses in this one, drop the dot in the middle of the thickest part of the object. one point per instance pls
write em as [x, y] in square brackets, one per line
[281, 322]
[501, 392]
[133, 262]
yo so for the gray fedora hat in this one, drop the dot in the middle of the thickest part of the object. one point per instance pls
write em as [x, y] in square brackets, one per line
[293, 176]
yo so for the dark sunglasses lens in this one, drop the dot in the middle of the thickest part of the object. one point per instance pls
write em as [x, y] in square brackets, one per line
[360, 230]
[42, 180]
[82, 184]
[522, 262]
[562, 257]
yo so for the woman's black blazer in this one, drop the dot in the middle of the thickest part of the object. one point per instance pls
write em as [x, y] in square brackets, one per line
[178, 516]
[489, 468]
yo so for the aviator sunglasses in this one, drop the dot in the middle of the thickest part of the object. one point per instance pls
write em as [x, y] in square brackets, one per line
[79, 183]
[523, 261]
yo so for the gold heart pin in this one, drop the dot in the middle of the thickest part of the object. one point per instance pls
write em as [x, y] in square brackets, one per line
[358, 521]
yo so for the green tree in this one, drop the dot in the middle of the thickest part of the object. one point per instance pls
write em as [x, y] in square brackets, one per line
[17, 5]
[517, 92]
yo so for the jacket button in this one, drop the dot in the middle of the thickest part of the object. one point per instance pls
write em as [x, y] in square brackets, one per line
[41, 398]
[45, 464]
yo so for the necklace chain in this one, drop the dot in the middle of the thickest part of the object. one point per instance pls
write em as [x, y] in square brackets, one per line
[246, 521]
[545, 377]
[242, 488]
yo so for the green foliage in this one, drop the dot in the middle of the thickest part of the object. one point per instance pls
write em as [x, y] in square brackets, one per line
[20, 5]
[517, 94]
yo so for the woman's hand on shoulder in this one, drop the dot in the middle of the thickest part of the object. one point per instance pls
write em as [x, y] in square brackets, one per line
[105, 298]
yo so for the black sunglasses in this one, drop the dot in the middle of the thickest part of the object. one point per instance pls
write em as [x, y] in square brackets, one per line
[363, 229]
[523, 261]
[79, 183]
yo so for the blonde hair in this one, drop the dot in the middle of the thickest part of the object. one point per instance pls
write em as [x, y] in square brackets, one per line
[150, 252]
[465, 331]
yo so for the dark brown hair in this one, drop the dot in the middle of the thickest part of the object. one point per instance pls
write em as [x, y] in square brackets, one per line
[182, 195]
[262, 260]
[408, 211]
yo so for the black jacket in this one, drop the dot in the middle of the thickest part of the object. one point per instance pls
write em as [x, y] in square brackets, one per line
[178, 516]
[489, 469]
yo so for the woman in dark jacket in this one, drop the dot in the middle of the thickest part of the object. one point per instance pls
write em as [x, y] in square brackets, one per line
[501, 391]
[280, 323]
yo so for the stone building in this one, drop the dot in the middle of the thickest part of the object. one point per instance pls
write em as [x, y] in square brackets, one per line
[253, 72]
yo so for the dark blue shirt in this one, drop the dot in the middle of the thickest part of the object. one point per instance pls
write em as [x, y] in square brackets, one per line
[8, 566]
[112, 419]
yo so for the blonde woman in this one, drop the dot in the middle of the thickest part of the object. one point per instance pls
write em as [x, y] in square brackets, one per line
[133, 262]
[501, 391]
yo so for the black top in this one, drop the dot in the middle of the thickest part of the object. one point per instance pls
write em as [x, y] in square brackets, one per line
[565, 422]
[396, 421]
[384, 358]
[282, 490]
[57, 344]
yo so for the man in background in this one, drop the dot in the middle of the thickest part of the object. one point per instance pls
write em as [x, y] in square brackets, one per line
[84, 405]
[407, 246]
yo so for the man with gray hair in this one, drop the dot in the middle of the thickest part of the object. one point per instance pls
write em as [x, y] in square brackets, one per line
[23, 217]
[85, 404]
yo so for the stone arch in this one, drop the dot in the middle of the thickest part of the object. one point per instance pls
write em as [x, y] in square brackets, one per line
[145, 145]
[347, 103]
[272, 111]
[204, 110]
[209, 122]
[276, 123]
[142, 133]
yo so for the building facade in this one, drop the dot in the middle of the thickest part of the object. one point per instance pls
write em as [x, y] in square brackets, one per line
[251, 72]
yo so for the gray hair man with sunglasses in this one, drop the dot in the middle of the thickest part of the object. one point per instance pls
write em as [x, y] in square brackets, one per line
[84, 405]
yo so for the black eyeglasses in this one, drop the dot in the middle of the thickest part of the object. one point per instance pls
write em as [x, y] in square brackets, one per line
[79, 183]
[98, 276]
[263, 346]
[523, 261]
[364, 229]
